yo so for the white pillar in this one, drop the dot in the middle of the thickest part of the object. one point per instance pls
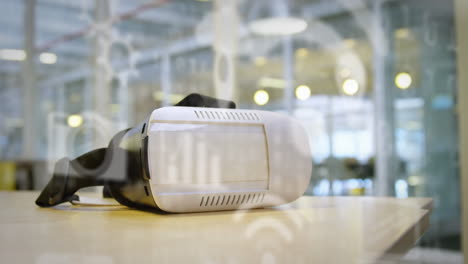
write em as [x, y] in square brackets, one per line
[30, 127]
[166, 82]
[101, 90]
[226, 38]
[461, 20]
[288, 74]
[383, 109]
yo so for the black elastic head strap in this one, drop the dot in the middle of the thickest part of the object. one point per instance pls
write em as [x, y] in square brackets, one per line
[62, 187]
[87, 170]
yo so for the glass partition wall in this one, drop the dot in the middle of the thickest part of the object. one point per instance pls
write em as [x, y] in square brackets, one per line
[373, 83]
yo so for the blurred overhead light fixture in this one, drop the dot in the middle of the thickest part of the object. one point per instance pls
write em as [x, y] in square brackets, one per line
[12, 54]
[414, 180]
[278, 26]
[412, 125]
[302, 53]
[260, 61]
[74, 120]
[160, 96]
[403, 80]
[48, 58]
[349, 42]
[261, 97]
[115, 108]
[303, 92]
[402, 33]
[273, 18]
[268, 82]
[350, 87]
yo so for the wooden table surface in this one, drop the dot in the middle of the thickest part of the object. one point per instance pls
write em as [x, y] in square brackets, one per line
[310, 230]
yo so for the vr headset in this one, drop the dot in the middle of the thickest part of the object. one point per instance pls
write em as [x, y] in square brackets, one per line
[200, 155]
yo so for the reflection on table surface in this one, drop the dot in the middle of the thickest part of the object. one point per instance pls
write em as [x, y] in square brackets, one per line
[310, 230]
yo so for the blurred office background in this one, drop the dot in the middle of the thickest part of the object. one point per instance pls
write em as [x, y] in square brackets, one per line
[373, 82]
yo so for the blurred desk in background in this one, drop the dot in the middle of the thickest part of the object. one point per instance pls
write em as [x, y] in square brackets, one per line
[310, 230]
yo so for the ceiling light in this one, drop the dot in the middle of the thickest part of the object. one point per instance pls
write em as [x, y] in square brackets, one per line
[303, 92]
[268, 82]
[302, 53]
[414, 180]
[402, 33]
[75, 120]
[278, 26]
[261, 97]
[403, 80]
[115, 108]
[48, 58]
[350, 87]
[349, 42]
[12, 54]
[260, 61]
[172, 98]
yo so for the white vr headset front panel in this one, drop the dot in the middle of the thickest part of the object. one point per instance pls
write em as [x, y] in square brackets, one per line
[207, 159]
